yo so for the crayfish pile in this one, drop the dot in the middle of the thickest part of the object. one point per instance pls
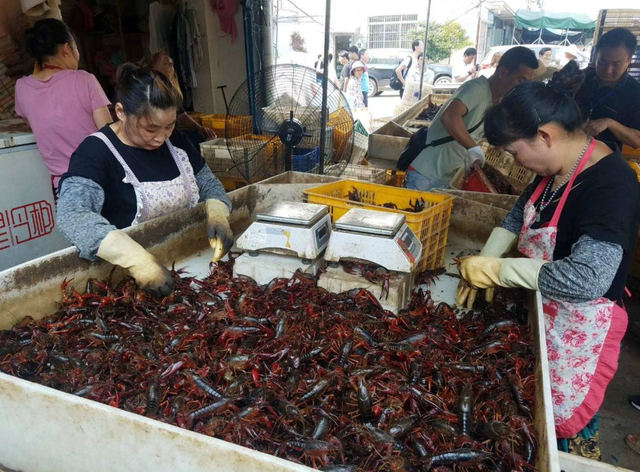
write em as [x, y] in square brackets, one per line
[429, 113]
[329, 380]
[499, 181]
[417, 207]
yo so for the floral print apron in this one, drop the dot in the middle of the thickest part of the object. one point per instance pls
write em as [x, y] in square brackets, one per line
[583, 339]
[156, 199]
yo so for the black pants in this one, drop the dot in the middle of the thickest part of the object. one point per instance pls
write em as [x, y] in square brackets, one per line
[365, 99]
[401, 92]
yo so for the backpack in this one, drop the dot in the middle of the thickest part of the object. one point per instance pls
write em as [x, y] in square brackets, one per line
[418, 143]
[395, 83]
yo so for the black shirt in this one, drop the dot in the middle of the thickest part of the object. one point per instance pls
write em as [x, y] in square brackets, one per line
[93, 160]
[620, 103]
[604, 203]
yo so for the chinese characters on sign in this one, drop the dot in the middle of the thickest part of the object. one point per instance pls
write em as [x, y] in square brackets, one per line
[25, 223]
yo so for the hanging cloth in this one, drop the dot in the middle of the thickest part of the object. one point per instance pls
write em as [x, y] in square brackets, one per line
[182, 61]
[226, 10]
[42, 8]
[197, 54]
[160, 21]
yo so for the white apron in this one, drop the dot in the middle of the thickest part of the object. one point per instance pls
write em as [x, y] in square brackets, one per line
[156, 199]
[583, 339]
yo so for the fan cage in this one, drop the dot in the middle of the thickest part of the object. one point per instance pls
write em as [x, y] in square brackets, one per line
[281, 93]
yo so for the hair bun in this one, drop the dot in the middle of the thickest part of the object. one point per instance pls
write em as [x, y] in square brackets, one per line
[44, 37]
[126, 72]
[38, 42]
[568, 80]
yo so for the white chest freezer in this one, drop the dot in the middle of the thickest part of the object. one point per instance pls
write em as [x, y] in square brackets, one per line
[27, 210]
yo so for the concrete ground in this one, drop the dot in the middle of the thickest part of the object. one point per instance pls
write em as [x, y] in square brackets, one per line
[617, 417]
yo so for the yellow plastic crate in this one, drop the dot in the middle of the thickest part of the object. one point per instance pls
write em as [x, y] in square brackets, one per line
[197, 116]
[230, 184]
[636, 167]
[430, 225]
[630, 154]
[634, 271]
[396, 178]
[218, 122]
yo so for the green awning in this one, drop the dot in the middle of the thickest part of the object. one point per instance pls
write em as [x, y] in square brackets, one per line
[551, 20]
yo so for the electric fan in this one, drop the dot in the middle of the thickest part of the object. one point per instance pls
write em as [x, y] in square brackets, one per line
[273, 124]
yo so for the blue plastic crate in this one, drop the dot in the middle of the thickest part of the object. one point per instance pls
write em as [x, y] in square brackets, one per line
[305, 160]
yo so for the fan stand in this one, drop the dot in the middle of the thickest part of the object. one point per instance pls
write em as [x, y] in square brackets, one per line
[291, 132]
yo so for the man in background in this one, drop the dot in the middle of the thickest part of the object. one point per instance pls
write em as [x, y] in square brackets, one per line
[429, 75]
[545, 55]
[366, 86]
[404, 69]
[315, 66]
[459, 122]
[609, 97]
[465, 69]
[346, 69]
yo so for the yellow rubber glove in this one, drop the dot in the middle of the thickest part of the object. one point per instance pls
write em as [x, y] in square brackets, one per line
[218, 229]
[488, 272]
[499, 243]
[119, 249]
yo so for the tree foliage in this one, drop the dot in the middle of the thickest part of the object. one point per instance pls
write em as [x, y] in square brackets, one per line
[443, 38]
[297, 42]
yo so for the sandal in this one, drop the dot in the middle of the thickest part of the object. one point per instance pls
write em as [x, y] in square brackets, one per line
[633, 441]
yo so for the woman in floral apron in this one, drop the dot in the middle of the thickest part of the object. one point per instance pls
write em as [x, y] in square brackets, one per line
[134, 170]
[577, 224]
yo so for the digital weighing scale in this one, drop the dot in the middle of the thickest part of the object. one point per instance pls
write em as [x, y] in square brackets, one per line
[377, 237]
[285, 237]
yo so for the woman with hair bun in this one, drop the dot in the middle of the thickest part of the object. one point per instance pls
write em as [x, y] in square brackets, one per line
[577, 225]
[63, 105]
[162, 62]
[134, 170]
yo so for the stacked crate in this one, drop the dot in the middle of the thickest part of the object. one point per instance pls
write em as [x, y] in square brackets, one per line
[240, 162]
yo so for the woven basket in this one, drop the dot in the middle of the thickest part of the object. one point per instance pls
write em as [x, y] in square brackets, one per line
[503, 161]
[360, 148]
[238, 164]
[366, 173]
[439, 98]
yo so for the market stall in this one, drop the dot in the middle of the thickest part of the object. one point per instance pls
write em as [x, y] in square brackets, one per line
[39, 422]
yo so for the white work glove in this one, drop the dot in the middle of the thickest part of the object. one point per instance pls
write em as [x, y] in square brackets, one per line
[488, 272]
[499, 243]
[475, 154]
[119, 249]
[218, 229]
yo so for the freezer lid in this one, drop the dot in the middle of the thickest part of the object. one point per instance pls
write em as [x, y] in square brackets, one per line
[15, 133]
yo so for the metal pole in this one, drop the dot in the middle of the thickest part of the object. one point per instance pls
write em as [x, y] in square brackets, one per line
[424, 53]
[267, 36]
[325, 84]
[247, 17]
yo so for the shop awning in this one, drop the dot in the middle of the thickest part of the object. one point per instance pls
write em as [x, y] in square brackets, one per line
[551, 20]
